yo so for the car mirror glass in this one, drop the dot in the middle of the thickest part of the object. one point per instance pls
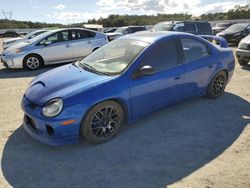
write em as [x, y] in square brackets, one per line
[47, 42]
[146, 70]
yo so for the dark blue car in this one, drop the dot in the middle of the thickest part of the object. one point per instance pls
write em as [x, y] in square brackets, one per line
[121, 82]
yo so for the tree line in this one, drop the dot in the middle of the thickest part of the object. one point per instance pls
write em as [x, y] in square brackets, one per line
[238, 12]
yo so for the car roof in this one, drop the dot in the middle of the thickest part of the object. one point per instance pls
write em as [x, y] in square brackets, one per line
[74, 28]
[174, 22]
[151, 37]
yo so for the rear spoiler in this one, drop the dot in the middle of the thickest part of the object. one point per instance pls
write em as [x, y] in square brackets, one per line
[215, 40]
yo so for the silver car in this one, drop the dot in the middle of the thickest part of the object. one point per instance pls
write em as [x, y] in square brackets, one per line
[243, 51]
[12, 41]
[57, 46]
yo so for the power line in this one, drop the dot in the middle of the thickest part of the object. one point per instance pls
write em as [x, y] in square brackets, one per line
[7, 14]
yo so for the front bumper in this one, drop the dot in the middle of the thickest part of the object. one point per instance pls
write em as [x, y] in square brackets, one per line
[243, 54]
[51, 131]
[13, 61]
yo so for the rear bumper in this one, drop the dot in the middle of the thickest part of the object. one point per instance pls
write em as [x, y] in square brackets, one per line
[243, 54]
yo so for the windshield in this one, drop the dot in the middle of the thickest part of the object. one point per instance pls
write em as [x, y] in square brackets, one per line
[236, 28]
[162, 27]
[41, 36]
[114, 57]
[33, 34]
[120, 30]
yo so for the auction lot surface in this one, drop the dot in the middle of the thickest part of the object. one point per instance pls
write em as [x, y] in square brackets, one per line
[195, 143]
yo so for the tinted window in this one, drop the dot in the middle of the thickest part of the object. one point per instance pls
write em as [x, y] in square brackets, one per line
[178, 27]
[193, 49]
[81, 34]
[162, 56]
[204, 28]
[190, 27]
[135, 29]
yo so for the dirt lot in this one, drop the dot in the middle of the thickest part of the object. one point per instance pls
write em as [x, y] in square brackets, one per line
[195, 143]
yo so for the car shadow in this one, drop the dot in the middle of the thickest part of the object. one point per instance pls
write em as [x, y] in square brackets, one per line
[156, 151]
[21, 73]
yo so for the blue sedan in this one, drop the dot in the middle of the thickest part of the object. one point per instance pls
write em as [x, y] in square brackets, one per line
[122, 82]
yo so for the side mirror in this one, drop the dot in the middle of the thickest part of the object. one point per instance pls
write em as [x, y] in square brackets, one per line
[146, 70]
[47, 42]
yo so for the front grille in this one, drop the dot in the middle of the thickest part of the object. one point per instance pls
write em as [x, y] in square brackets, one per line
[29, 104]
[29, 122]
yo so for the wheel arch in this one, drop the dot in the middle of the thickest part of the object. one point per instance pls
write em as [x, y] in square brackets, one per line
[36, 54]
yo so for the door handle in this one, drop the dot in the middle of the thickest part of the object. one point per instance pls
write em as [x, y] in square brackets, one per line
[177, 78]
[89, 42]
[67, 45]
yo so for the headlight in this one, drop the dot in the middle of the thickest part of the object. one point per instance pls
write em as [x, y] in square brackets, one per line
[53, 107]
[17, 50]
[243, 45]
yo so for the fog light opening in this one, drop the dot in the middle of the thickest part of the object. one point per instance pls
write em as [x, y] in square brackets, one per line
[49, 130]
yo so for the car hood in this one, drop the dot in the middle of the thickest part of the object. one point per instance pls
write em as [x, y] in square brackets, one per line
[61, 82]
[246, 39]
[113, 34]
[12, 39]
[228, 33]
[18, 45]
[218, 28]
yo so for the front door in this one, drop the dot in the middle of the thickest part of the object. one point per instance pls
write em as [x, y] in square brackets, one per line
[164, 87]
[57, 47]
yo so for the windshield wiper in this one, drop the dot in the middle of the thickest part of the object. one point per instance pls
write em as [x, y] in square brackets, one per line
[89, 67]
[92, 69]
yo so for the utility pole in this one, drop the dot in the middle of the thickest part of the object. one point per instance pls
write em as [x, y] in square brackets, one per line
[7, 14]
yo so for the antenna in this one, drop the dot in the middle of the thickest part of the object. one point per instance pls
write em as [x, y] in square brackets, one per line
[7, 14]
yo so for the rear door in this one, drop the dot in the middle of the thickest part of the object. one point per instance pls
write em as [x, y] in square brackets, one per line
[198, 66]
[82, 42]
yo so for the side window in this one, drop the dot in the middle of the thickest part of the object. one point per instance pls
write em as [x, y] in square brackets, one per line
[162, 57]
[194, 49]
[57, 37]
[75, 34]
[190, 27]
[178, 27]
[87, 34]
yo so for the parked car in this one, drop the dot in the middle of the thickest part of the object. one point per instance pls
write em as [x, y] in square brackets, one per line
[9, 34]
[57, 46]
[12, 41]
[122, 81]
[221, 27]
[235, 32]
[121, 31]
[243, 51]
[194, 27]
[109, 30]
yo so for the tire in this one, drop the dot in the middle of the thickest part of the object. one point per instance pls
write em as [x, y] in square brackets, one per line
[243, 62]
[102, 122]
[32, 62]
[217, 85]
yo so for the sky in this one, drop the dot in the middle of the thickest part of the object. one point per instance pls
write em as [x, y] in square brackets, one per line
[75, 11]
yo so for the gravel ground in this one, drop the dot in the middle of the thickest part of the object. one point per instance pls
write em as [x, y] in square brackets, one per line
[195, 143]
